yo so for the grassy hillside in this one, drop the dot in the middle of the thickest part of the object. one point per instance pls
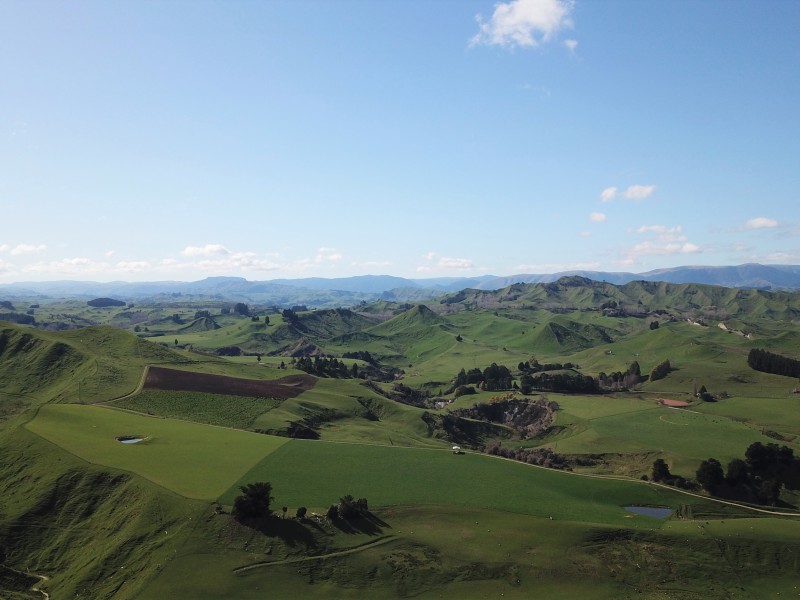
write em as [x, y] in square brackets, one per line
[103, 519]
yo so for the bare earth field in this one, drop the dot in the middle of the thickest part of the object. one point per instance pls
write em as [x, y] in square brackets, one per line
[160, 378]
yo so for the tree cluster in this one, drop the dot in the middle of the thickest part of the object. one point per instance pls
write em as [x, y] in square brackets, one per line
[759, 477]
[322, 366]
[660, 371]
[290, 316]
[533, 366]
[621, 380]
[560, 382]
[105, 302]
[254, 502]
[768, 362]
[348, 508]
[661, 474]
[492, 378]
[361, 355]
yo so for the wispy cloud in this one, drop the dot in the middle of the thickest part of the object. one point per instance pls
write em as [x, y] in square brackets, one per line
[598, 217]
[662, 240]
[207, 250]
[372, 264]
[327, 255]
[608, 194]
[571, 45]
[632, 192]
[445, 263]
[761, 223]
[536, 268]
[639, 192]
[22, 249]
[784, 257]
[525, 23]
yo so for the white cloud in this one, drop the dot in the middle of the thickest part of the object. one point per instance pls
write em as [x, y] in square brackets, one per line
[664, 248]
[455, 263]
[372, 264]
[207, 250]
[784, 257]
[21, 249]
[597, 217]
[662, 230]
[535, 268]
[571, 45]
[133, 266]
[445, 263]
[608, 194]
[327, 255]
[5, 267]
[664, 241]
[639, 192]
[761, 223]
[633, 192]
[526, 23]
[77, 266]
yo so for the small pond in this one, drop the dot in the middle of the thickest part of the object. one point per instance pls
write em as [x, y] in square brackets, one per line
[130, 439]
[656, 512]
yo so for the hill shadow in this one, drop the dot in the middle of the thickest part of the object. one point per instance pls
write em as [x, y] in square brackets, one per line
[367, 524]
[291, 531]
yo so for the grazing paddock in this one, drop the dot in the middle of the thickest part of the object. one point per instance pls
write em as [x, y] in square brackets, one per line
[196, 461]
[316, 474]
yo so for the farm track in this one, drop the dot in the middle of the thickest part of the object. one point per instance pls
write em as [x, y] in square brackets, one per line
[288, 561]
[37, 587]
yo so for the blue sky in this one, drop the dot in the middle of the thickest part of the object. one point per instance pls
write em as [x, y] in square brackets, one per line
[270, 139]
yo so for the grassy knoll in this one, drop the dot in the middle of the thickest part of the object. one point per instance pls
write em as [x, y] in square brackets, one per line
[196, 461]
[345, 410]
[212, 409]
[316, 474]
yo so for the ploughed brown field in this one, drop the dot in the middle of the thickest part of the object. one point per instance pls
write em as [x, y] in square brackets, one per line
[160, 378]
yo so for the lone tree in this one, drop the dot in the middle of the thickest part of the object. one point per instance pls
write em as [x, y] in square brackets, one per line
[253, 502]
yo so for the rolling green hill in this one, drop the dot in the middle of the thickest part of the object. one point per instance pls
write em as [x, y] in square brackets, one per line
[106, 519]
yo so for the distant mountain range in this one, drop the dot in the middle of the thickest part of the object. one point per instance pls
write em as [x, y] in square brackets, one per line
[345, 291]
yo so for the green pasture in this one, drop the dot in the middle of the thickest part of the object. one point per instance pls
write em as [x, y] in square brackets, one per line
[196, 461]
[212, 409]
[317, 474]
[684, 436]
[774, 414]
